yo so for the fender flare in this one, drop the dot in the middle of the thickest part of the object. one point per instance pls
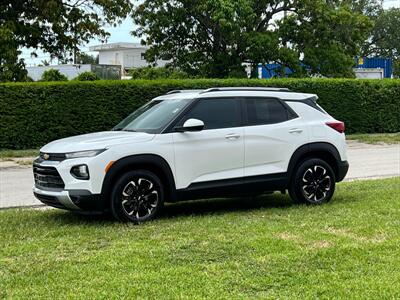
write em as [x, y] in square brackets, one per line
[149, 161]
[308, 149]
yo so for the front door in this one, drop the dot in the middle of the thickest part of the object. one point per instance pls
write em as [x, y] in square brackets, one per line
[216, 152]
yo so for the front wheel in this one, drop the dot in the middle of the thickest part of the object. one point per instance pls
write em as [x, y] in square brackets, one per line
[313, 182]
[137, 197]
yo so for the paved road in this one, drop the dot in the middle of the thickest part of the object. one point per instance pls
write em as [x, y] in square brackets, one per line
[16, 187]
[366, 161]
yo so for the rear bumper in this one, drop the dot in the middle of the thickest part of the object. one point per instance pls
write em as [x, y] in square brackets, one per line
[343, 167]
[78, 200]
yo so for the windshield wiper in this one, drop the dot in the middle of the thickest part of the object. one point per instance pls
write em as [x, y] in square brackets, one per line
[130, 130]
[122, 129]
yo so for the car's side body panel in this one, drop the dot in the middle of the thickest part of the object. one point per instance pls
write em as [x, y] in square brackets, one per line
[269, 147]
[208, 155]
[317, 128]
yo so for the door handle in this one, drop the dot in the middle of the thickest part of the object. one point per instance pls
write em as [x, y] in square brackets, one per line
[232, 136]
[295, 130]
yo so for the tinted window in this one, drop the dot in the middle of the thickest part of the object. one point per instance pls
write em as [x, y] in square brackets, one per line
[265, 111]
[215, 113]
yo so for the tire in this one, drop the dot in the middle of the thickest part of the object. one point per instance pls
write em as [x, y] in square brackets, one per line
[313, 182]
[137, 197]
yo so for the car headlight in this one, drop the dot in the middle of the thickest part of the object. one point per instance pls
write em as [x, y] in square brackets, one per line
[88, 153]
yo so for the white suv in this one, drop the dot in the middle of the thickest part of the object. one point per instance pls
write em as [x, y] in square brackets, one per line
[194, 144]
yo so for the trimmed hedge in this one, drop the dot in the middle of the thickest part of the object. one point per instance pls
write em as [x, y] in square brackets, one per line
[32, 114]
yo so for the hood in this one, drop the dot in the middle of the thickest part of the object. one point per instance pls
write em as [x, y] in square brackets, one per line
[94, 141]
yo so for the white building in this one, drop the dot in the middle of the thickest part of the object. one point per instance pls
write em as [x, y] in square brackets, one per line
[127, 55]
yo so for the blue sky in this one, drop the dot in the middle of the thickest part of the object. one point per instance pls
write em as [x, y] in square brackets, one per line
[122, 33]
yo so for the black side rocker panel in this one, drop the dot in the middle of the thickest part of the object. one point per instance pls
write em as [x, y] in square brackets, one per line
[251, 185]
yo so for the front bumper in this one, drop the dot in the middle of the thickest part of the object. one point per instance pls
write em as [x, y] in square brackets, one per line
[56, 186]
[78, 200]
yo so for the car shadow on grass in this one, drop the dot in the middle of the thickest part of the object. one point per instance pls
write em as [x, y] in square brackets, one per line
[223, 205]
[188, 208]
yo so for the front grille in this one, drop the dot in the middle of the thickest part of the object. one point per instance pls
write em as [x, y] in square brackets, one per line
[52, 156]
[47, 177]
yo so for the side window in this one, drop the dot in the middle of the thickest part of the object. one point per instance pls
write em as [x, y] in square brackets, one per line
[265, 111]
[215, 113]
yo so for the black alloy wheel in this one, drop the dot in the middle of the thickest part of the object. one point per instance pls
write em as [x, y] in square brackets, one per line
[313, 182]
[137, 196]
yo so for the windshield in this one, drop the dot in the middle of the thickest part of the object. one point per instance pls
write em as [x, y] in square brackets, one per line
[153, 116]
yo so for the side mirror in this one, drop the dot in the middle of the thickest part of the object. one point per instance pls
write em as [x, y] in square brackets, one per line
[191, 125]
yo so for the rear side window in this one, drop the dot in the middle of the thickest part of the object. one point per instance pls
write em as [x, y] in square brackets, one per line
[265, 111]
[215, 113]
[313, 103]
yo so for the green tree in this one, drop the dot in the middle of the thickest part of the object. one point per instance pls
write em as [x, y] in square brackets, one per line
[44, 62]
[327, 35]
[370, 8]
[213, 38]
[55, 26]
[87, 76]
[385, 38]
[53, 75]
[84, 58]
[11, 67]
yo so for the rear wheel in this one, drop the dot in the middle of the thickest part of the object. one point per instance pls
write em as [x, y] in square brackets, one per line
[137, 197]
[313, 182]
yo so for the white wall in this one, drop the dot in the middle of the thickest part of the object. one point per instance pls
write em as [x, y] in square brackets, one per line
[127, 58]
[369, 73]
[133, 58]
[110, 58]
[71, 71]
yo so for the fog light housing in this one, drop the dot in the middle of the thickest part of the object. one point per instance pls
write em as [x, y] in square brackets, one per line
[80, 172]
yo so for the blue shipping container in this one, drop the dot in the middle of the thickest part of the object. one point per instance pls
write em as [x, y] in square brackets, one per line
[376, 62]
[271, 70]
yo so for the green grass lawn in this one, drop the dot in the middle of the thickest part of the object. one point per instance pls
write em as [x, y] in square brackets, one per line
[219, 249]
[376, 138]
[5, 153]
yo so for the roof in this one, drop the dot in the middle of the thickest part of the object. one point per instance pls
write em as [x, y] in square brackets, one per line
[235, 92]
[117, 46]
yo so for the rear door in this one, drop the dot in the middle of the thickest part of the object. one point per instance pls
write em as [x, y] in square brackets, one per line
[216, 152]
[272, 133]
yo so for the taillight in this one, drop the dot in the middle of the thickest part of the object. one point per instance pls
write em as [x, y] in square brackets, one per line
[337, 125]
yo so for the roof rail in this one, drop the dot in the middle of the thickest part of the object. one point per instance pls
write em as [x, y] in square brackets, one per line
[257, 89]
[183, 91]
